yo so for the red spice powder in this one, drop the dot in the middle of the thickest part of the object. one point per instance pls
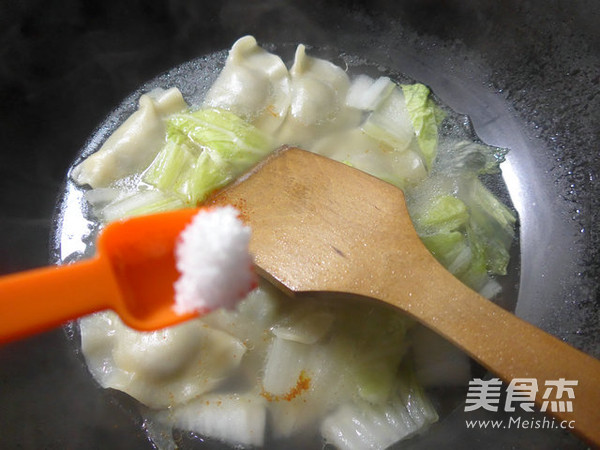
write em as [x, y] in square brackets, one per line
[239, 204]
[302, 384]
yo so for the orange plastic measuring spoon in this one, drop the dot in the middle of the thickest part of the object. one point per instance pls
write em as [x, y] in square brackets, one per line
[132, 273]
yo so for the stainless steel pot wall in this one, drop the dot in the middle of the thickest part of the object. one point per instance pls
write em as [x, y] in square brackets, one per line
[527, 73]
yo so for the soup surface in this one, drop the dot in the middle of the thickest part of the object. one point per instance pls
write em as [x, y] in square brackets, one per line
[274, 372]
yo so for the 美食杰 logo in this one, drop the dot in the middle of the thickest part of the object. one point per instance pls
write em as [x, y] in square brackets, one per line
[520, 393]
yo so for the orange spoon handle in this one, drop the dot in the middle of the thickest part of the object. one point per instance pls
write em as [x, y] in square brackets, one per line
[40, 299]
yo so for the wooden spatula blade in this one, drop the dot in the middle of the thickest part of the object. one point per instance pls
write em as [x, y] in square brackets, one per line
[319, 225]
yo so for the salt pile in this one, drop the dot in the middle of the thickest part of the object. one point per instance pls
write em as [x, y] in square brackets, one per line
[214, 262]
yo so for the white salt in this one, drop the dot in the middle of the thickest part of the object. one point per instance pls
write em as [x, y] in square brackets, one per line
[214, 262]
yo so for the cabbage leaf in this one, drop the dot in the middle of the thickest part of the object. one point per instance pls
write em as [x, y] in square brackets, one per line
[425, 116]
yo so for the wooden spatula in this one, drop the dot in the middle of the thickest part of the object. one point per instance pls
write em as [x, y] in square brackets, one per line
[321, 226]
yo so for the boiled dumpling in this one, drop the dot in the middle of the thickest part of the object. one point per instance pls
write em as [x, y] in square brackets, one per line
[254, 84]
[134, 144]
[161, 368]
[318, 91]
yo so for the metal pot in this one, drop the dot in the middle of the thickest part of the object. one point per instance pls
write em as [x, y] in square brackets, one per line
[527, 73]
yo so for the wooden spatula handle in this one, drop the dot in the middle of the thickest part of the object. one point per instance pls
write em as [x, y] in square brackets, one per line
[509, 347]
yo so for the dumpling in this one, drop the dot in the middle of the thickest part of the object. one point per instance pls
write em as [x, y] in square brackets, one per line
[318, 101]
[161, 368]
[254, 84]
[134, 144]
